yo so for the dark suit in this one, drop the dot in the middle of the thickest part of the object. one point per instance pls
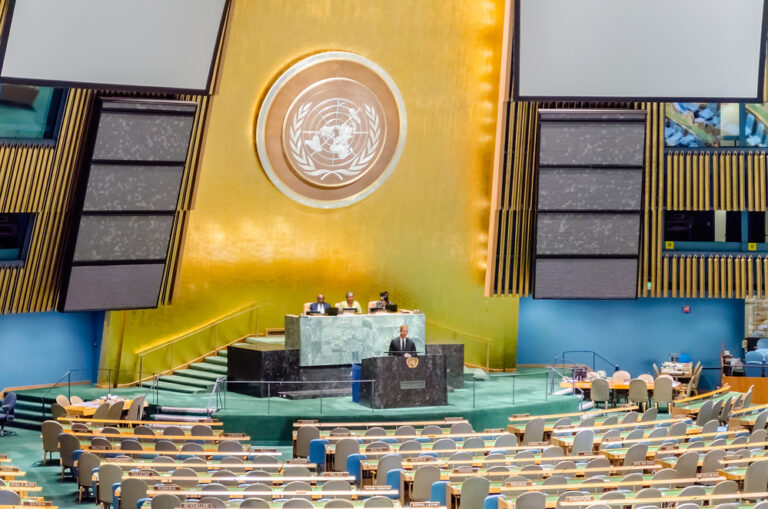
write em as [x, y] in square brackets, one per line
[395, 347]
[316, 307]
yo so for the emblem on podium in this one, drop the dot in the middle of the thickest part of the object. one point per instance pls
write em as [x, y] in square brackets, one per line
[331, 129]
[412, 362]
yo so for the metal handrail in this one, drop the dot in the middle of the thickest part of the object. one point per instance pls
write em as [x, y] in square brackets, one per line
[595, 356]
[216, 395]
[141, 353]
[473, 337]
[251, 307]
[68, 376]
[574, 388]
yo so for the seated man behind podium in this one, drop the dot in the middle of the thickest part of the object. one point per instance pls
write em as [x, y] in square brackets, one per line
[402, 346]
[320, 306]
[350, 303]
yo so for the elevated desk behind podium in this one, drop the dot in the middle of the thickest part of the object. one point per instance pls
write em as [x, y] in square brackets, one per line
[348, 339]
[401, 384]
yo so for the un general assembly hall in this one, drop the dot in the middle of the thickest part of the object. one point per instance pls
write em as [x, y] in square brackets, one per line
[310, 254]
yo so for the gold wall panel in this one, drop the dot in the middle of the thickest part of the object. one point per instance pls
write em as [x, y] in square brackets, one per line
[40, 178]
[736, 180]
[422, 236]
[714, 276]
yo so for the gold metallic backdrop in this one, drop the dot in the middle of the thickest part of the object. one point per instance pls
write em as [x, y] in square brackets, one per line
[422, 235]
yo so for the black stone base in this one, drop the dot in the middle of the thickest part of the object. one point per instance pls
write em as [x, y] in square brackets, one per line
[271, 363]
[454, 363]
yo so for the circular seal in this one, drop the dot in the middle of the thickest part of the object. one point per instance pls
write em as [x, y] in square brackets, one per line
[331, 129]
[412, 362]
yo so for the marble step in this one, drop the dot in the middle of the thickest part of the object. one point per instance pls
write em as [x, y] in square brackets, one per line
[215, 359]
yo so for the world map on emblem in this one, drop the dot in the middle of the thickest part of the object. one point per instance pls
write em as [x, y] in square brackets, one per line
[333, 132]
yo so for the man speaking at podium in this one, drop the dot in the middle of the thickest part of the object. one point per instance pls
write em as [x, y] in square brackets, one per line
[402, 346]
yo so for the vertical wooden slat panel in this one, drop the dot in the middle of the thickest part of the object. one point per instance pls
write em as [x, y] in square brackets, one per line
[737, 182]
[695, 277]
[717, 277]
[695, 182]
[670, 180]
[761, 181]
[759, 278]
[673, 284]
[750, 277]
[751, 186]
[707, 173]
[656, 168]
[677, 188]
[765, 276]
[725, 175]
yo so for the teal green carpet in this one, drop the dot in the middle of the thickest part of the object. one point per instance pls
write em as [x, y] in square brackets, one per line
[25, 449]
[485, 403]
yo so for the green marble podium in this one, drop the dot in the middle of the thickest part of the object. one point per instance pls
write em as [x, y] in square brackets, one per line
[348, 339]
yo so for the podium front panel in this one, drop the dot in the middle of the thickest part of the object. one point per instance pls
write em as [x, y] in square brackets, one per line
[404, 382]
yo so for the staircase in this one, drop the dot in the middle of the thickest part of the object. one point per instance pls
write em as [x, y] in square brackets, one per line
[28, 410]
[200, 376]
[197, 378]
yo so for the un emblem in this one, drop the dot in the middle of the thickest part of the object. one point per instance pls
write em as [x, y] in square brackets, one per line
[333, 140]
[331, 129]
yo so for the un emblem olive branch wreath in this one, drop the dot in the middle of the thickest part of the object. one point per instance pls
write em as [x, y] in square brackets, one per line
[307, 164]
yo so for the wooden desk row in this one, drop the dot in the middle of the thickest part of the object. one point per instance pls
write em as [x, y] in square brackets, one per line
[125, 422]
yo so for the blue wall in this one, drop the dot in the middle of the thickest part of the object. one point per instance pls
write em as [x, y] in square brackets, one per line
[632, 333]
[38, 348]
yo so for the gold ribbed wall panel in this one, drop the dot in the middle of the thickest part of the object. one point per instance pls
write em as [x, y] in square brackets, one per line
[651, 267]
[512, 242]
[40, 179]
[727, 180]
[186, 197]
[515, 235]
[715, 181]
[714, 276]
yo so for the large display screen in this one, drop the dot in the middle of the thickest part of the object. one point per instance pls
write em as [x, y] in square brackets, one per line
[154, 44]
[656, 49]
